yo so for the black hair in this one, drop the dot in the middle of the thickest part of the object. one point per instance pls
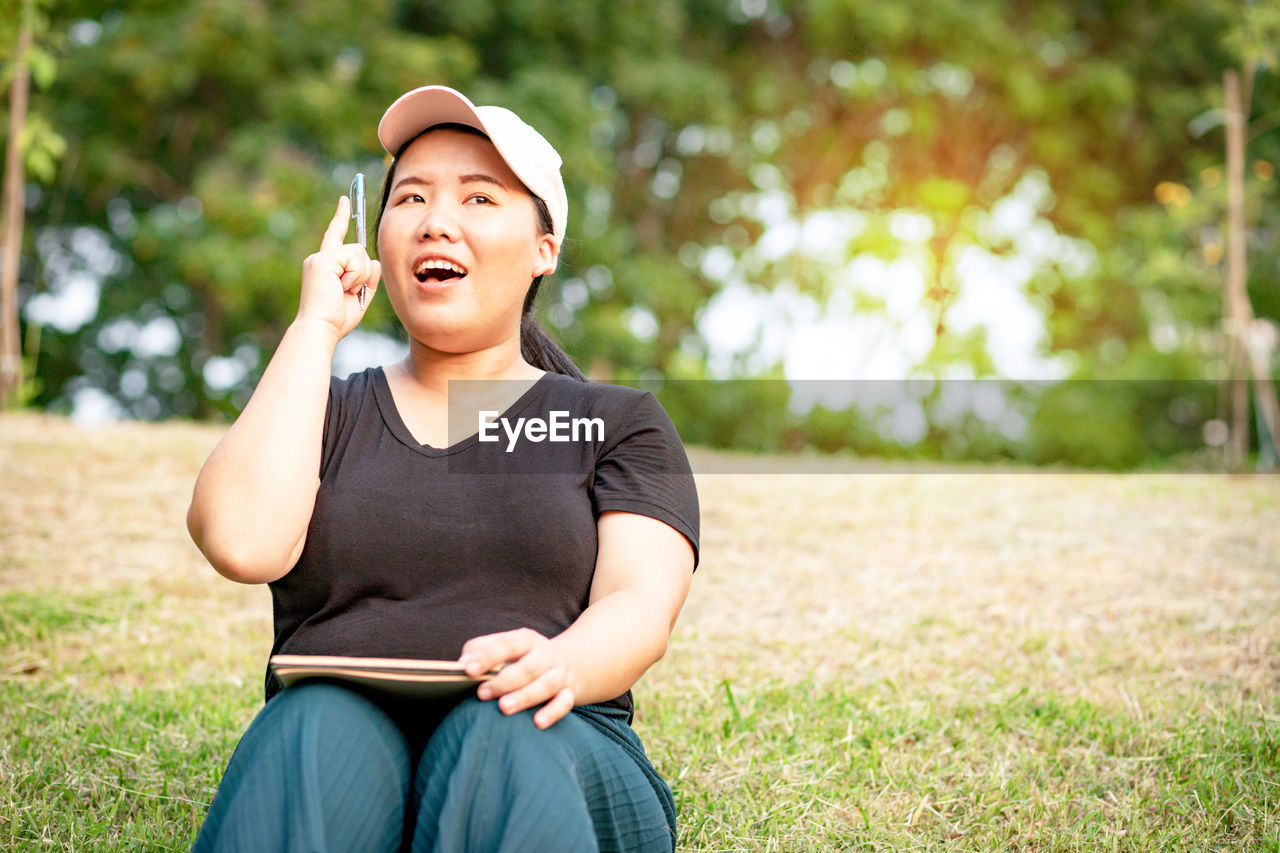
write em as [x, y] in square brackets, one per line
[536, 346]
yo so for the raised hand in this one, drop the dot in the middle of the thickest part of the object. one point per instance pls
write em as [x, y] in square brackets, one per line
[332, 277]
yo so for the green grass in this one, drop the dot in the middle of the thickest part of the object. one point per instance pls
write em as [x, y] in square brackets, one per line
[762, 767]
[834, 767]
[133, 769]
[90, 761]
[896, 662]
[31, 617]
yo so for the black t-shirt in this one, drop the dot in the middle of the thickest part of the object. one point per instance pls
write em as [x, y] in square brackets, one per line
[412, 550]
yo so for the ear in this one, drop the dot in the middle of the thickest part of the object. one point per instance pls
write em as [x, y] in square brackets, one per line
[548, 254]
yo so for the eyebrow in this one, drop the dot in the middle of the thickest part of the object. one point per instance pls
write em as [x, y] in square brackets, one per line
[469, 178]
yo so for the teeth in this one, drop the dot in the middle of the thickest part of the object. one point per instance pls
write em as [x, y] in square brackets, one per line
[436, 264]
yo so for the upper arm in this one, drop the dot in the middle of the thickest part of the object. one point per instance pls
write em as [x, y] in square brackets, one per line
[647, 509]
[643, 554]
[252, 502]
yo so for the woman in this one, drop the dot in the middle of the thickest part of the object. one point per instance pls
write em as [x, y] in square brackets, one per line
[384, 532]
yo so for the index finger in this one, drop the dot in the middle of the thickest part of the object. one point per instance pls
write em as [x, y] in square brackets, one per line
[336, 234]
[487, 652]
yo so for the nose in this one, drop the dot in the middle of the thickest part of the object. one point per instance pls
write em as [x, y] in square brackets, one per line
[438, 221]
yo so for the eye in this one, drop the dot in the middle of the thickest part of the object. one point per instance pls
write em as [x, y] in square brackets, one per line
[479, 198]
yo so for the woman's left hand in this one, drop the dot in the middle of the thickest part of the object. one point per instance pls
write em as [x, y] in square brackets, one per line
[533, 672]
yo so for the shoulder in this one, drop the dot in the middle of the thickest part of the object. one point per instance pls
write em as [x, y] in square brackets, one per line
[349, 392]
[349, 397]
[641, 466]
[359, 382]
[625, 415]
[600, 398]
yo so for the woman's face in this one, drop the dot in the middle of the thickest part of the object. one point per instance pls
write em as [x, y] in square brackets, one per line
[459, 243]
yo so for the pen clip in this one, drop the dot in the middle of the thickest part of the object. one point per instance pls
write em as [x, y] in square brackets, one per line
[357, 207]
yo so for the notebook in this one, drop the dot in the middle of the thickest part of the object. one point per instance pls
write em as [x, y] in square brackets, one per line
[401, 677]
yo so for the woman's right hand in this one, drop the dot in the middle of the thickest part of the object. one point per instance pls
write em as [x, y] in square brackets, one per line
[332, 277]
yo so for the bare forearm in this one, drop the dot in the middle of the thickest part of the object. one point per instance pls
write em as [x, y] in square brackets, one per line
[614, 642]
[254, 496]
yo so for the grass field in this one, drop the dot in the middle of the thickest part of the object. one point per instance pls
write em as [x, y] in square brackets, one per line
[981, 659]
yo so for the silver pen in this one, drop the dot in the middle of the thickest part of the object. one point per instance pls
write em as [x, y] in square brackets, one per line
[357, 213]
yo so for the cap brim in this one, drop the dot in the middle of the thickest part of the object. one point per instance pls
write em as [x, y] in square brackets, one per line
[413, 112]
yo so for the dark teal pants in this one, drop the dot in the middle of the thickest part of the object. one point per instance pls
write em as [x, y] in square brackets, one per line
[323, 769]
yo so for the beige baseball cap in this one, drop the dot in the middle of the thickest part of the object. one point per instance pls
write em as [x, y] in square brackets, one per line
[528, 154]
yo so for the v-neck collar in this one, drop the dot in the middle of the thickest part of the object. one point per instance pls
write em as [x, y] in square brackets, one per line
[395, 423]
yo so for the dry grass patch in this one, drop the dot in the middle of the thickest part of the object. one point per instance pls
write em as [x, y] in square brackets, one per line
[891, 658]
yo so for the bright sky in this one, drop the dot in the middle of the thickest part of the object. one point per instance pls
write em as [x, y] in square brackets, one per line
[748, 325]
[749, 328]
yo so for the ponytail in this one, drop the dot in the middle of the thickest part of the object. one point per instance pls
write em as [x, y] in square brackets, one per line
[536, 345]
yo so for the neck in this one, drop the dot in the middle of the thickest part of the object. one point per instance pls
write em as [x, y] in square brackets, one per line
[432, 369]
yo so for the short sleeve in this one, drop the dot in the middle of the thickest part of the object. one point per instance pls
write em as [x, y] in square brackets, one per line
[642, 468]
[346, 396]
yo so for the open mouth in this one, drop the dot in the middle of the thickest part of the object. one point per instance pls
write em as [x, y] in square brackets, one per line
[438, 271]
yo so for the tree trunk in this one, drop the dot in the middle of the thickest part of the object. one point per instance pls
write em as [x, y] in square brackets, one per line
[1248, 358]
[11, 244]
[1237, 297]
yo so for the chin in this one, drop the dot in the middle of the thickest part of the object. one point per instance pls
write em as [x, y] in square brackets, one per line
[452, 339]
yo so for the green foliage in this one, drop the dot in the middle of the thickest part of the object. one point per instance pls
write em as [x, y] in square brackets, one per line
[41, 145]
[1109, 424]
[206, 142]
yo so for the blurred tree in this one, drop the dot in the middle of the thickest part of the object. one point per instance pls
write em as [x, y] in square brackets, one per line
[1250, 343]
[761, 143]
[208, 141]
[30, 146]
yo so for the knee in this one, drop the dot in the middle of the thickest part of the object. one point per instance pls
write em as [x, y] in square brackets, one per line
[319, 762]
[326, 705]
[480, 725]
[484, 719]
[321, 718]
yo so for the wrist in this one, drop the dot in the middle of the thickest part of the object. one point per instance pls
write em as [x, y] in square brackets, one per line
[316, 329]
[570, 662]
